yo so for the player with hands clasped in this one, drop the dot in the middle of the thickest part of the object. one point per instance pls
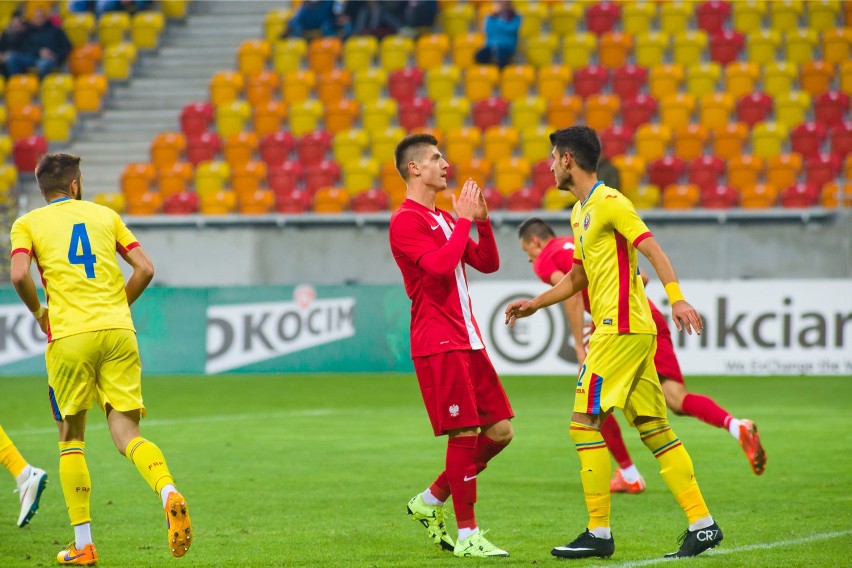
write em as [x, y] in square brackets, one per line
[461, 390]
[619, 369]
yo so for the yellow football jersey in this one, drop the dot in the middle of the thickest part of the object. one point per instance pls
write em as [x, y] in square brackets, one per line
[74, 244]
[607, 230]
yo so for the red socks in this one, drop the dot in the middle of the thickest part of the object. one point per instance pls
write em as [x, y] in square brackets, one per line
[486, 448]
[611, 433]
[461, 475]
[705, 409]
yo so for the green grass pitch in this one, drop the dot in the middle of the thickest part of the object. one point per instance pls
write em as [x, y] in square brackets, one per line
[316, 471]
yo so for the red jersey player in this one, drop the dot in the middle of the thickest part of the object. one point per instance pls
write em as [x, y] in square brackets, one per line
[462, 393]
[552, 257]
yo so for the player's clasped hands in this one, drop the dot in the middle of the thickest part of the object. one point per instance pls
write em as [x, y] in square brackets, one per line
[519, 309]
[685, 316]
[470, 204]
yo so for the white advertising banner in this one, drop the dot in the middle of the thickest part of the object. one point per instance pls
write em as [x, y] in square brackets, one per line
[754, 327]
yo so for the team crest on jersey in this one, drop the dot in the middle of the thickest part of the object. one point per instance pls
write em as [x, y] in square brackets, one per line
[454, 410]
[587, 220]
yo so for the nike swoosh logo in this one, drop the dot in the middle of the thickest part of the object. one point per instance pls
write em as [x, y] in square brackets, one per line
[70, 558]
[435, 227]
[466, 478]
[569, 548]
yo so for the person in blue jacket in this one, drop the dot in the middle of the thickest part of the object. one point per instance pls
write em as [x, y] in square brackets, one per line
[501, 36]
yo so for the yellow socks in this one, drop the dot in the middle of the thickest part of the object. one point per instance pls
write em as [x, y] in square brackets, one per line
[10, 457]
[595, 471]
[675, 467]
[75, 480]
[149, 460]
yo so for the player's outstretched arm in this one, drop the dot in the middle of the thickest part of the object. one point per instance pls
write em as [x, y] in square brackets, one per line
[574, 310]
[570, 284]
[25, 287]
[143, 273]
[683, 314]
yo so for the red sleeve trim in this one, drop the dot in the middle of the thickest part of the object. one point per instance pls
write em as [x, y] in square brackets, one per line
[124, 250]
[578, 261]
[17, 250]
[641, 238]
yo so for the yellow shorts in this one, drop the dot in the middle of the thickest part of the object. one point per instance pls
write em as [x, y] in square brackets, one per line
[97, 365]
[619, 372]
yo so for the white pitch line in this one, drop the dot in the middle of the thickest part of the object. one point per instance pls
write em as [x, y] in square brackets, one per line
[746, 548]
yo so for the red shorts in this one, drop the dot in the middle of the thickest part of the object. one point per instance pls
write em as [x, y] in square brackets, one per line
[665, 360]
[461, 389]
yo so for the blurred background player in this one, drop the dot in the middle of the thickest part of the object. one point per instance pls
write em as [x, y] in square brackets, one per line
[31, 480]
[92, 352]
[462, 393]
[551, 259]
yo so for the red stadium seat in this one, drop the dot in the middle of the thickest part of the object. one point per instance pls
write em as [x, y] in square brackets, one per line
[183, 203]
[494, 199]
[284, 177]
[542, 177]
[753, 108]
[629, 80]
[602, 17]
[195, 118]
[830, 108]
[590, 80]
[615, 140]
[404, 83]
[275, 148]
[841, 139]
[415, 113]
[203, 148]
[801, 195]
[294, 201]
[807, 138]
[27, 151]
[712, 16]
[325, 173]
[313, 146]
[525, 199]
[725, 46]
[719, 197]
[489, 112]
[822, 169]
[665, 171]
[370, 201]
[706, 171]
[638, 110]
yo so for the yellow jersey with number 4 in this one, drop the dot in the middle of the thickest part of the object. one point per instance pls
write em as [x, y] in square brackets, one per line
[607, 231]
[74, 244]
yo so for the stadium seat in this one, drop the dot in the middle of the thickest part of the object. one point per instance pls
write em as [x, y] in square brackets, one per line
[324, 54]
[835, 44]
[759, 196]
[442, 82]
[332, 86]
[784, 16]
[443, 200]
[799, 45]
[247, 178]
[792, 108]
[602, 17]
[511, 175]
[462, 143]
[288, 54]
[275, 23]
[477, 169]
[58, 123]
[768, 138]
[590, 80]
[360, 174]
[22, 123]
[705, 171]
[203, 148]
[84, 60]
[535, 143]
[744, 170]
[119, 60]
[676, 16]
[565, 18]
[664, 80]
[79, 27]
[701, 79]
[480, 81]
[629, 80]
[239, 147]
[711, 16]
[651, 49]
[614, 48]
[456, 18]
[465, 47]
[252, 56]
[689, 141]
[112, 28]
[834, 193]
[823, 15]
[55, 89]
[816, 77]
[719, 197]
[430, 50]
[637, 111]
[167, 148]
[260, 87]
[725, 46]
[676, 110]
[211, 177]
[532, 15]
[541, 175]
[220, 202]
[779, 77]
[325, 173]
[681, 196]
[637, 17]
[526, 199]
[268, 117]
[27, 151]
[499, 143]
[715, 108]
[557, 200]
[341, 115]
[553, 81]
[645, 196]
[665, 171]
[395, 52]
[783, 170]
[174, 9]
[370, 201]
[403, 84]
[148, 203]
[378, 114]
[729, 139]
[383, 142]
[415, 113]
[831, 108]
[541, 50]
[330, 200]
[631, 169]
[564, 111]
[754, 107]
[174, 179]
[748, 16]
[226, 87]
[114, 201]
[20, 91]
[489, 112]
[137, 178]
[741, 78]
[233, 117]
[304, 117]
[615, 140]
[284, 176]
[822, 169]
[369, 84]
[359, 53]
[601, 111]
[311, 148]
[181, 203]
[392, 183]
[515, 81]
[195, 118]
[688, 47]
[847, 164]
[799, 196]
[577, 49]
[807, 139]
[762, 47]
[527, 111]
[841, 139]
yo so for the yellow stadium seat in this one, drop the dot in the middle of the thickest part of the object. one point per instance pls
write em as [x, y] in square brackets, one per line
[702, 79]
[112, 27]
[511, 175]
[55, 89]
[430, 50]
[614, 49]
[637, 17]
[247, 177]
[541, 49]
[369, 84]
[741, 78]
[232, 117]
[225, 87]
[359, 52]
[729, 139]
[557, 200]
[646, 196]
[275, 23]
[532, 15]
[535, 143]
[145, 29]
[676, 110]
[174, 9]
[664, 80]
[20, 90]
[689, 46]
[815, 77]
[331, 200]
[792, 108]
[305, 116]
[577, 49]
[383, 142]
[395, 52]
[465, 47]
[631, 170]
[239, 148]
[762, 46]
[220, 202]
[5, 146]
[113, 200]
[515, 81]
[258, 202]
[378, 115]
[288, 54]
[451, 113]
[267, 117]
[675, 16]
[782, 170]
[341, 115]
[349, 145]
[744, 170]
[441, 82]
[823, 14]
[767, 139]
[651, 49]
[835, 44]
[480, 81]
[457, 18]
[680, 197]
[564, 111]
[252, 56]
[601, 110]
[784, 15]
[748, 15]
[527, 111]
[58, 123]
[652, 141]
[553, 81]
[715, 108]
[119, 59]
[565, 18]
[799, 45]
[462, 143]
[689, 141]
[79, 28]
[779, 77]
[89, 91]
[211, 177]
[500, 143]
[167, 148]
[323, 54]
[333, 86]
[298, 86]
[360, 175]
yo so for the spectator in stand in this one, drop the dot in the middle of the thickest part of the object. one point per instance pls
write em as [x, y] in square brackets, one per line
[314, 18]
[12, 38]
[377, 19]
[99, 7]
[418, 16]
[345, 12]
[44, 46]
[501, 36]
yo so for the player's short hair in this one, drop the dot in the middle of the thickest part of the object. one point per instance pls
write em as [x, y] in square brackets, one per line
[55, 172]
[535, 227]
[407, 149]
[582, 142]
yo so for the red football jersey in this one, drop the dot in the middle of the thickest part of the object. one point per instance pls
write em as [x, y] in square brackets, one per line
[557, 255]
[431, 249]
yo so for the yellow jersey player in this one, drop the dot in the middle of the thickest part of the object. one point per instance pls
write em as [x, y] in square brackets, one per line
[92, 354]
[619, 369]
